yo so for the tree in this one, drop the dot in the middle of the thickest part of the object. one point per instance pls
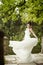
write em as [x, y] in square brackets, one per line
[1, 48]
[27, 9]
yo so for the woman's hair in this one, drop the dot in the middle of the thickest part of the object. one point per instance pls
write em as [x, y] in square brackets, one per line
[30, 23]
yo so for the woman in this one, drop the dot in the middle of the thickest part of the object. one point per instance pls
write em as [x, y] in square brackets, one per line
[23, 48]
[29, 30]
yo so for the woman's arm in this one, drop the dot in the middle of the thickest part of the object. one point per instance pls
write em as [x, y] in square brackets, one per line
[33, 33]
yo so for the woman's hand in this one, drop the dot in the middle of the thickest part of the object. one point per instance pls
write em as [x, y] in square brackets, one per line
[33, 33]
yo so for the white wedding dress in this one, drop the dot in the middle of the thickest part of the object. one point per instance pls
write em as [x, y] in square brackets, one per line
[23, 48]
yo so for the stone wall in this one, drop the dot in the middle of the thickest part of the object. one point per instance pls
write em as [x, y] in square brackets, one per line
[7, 49]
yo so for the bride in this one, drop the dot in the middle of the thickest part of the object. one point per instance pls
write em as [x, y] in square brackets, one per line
[23, 48]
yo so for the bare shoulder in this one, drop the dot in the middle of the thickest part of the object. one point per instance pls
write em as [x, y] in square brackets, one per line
[30, 29]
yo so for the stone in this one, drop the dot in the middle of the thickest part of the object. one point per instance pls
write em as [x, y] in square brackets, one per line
[11, 60]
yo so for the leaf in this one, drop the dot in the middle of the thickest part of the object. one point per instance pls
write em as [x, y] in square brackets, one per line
[4, 20]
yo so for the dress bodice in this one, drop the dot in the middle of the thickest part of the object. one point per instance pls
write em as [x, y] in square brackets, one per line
[27, 33]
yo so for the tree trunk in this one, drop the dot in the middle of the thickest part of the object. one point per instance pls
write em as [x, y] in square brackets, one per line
[42, 44]
[1, 48]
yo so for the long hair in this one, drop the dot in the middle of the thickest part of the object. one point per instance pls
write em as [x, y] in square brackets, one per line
[30, 23]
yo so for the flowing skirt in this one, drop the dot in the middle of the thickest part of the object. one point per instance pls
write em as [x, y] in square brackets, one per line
[26, 43]
[23, 48]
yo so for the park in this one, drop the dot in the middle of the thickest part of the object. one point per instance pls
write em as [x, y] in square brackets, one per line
[14, 16]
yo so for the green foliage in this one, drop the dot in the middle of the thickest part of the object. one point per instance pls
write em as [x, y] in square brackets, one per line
[15, 13]
[28, 10]
[37, 48]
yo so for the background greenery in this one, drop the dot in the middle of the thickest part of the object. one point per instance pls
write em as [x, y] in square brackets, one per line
[14, 15]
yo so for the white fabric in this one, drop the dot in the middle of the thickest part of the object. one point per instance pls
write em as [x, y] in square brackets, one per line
[23, 48]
